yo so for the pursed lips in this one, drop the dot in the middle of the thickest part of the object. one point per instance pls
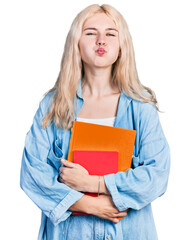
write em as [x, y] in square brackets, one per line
[101, 51]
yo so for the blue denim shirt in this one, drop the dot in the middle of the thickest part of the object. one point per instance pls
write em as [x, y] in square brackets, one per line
[133, 189]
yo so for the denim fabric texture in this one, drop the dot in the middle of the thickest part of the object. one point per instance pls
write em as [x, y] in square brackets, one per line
[133, 189]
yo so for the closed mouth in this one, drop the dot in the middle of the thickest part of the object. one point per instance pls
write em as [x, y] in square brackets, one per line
[101, 51]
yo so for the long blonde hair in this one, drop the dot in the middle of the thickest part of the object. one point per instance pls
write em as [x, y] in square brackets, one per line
[124, 72]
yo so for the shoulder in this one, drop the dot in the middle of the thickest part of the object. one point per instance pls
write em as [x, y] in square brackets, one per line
[138, 107]
[144, 114]
[146, 109]
[142, 108]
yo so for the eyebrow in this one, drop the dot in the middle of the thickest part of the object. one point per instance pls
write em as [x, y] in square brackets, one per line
[92, 28]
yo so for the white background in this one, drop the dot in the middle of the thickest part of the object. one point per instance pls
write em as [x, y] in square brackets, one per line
[32, 41]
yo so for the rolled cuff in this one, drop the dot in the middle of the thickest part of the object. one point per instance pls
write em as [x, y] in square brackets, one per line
[111, 186]
[61, 212]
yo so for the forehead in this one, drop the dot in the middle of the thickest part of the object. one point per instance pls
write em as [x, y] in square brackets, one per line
[99, 20]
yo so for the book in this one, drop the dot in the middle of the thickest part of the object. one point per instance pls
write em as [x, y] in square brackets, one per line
[97, 163]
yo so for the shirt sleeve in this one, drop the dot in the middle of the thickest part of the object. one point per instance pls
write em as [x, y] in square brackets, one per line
[38, 177]
[139, 186]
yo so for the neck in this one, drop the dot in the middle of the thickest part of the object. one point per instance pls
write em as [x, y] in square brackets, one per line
[97, 82]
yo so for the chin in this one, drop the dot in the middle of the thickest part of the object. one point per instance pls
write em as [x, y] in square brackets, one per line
[102, 63]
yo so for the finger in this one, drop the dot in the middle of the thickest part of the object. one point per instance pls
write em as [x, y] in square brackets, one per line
[60, 174]
[115, 220]
[121, 215]
[60, 178]
[61, 169]
[67, 163]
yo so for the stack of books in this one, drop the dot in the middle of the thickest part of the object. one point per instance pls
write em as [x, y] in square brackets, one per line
[100, 149]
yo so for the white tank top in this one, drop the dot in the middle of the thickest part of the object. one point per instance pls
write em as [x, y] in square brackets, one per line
[100, 121]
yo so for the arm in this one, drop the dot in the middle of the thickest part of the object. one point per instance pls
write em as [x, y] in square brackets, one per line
[101, 206]
[93, 185]
[77, 177]
[39, 174]
[136, 188]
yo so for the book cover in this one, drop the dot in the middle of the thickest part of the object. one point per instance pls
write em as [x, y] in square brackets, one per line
[95, 137]
[97, 163]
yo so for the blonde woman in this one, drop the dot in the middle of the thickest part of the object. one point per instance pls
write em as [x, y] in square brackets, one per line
[97, 83]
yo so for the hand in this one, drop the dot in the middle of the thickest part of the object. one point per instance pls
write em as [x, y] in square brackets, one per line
[104, 207]
[73, 175]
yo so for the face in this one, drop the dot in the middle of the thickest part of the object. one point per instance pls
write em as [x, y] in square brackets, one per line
[99, 42]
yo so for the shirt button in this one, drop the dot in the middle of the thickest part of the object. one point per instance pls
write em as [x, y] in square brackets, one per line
[108, 236]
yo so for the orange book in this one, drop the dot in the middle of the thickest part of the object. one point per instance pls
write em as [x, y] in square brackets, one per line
[95, 137]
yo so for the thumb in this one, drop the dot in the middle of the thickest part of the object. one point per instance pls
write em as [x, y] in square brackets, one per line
[67, 163]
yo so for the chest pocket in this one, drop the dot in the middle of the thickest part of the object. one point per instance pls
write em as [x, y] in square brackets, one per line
[59, 148]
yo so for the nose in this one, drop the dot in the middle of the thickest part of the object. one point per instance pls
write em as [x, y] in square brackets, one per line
[100, 40]
[100, 43]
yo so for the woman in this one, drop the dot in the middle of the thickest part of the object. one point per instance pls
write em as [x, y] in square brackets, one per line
[97, 83]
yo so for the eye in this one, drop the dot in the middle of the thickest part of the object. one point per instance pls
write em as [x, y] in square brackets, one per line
[90, 33]
[110, 34]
